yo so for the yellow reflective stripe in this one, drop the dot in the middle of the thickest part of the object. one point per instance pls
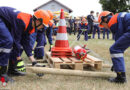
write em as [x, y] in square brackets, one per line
[20, 63]
[89, 34]
[51, 46]
[22, 69]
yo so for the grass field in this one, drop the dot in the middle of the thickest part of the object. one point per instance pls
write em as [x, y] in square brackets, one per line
[100, 49]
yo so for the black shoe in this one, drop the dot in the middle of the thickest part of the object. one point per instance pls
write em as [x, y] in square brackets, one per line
[89, 37]
[121, 78]
[14, 70]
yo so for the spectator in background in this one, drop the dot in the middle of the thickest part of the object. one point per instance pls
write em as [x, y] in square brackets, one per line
[75, 25]
[71, 25]
[104, 32]
[90, 19]
[96, 27]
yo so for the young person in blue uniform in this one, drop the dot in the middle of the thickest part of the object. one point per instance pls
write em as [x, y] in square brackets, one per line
[119, 24]
[15, 29]
[83, 26]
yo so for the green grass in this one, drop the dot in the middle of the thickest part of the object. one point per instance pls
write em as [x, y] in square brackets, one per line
[100, 49]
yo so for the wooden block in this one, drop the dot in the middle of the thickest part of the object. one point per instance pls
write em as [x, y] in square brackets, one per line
[78, 66]
[56, 65]
[98, 66]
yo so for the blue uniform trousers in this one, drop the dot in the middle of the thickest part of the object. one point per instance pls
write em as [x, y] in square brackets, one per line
[117, 51]
[104, 32]
[6, 42]
[80, 32]
[41, 42]
[96, 27]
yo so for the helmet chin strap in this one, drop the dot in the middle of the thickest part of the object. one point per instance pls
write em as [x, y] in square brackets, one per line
[36, 26]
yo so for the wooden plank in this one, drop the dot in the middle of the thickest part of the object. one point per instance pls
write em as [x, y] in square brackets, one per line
[66, 60]
[69, 72]
[93, 58]
[75, 60]
[88, 61]
[54, 59]
[40, 60]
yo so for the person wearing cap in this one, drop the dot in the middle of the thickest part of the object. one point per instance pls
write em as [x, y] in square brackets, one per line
[119, 24]
[15, 29]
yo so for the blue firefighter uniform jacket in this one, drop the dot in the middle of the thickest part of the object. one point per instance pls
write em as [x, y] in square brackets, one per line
[82, 27]
[120, 26]
[19, 25]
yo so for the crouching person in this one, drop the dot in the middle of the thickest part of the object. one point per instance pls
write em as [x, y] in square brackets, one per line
[14, 25]
[119, 24]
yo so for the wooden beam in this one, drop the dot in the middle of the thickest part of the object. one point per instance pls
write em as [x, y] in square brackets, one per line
[69, 72]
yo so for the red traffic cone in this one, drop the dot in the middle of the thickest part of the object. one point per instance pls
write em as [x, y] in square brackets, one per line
[61, 48]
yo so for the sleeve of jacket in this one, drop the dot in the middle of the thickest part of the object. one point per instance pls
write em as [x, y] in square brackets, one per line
[127, 22]
[49, 34]
[17, 39]
[26, 42]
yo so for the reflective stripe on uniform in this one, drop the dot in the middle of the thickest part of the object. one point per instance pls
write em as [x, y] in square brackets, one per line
[61, 36]
[5, 50]
[62, 22]
[40, 47]
[117, 55]
[123, 14]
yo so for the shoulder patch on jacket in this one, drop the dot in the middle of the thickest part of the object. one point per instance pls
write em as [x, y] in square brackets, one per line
[113, 20]
[25, 18]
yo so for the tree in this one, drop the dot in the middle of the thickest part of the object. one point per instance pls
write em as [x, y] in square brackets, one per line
[115, 6]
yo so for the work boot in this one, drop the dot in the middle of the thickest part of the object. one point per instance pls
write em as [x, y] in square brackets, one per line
[89, 37]
[35, 64]
[121, 78]
[17, 68]
[3, 74]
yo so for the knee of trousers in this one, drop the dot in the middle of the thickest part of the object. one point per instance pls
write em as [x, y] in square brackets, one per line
[9, 43]
[113, 49]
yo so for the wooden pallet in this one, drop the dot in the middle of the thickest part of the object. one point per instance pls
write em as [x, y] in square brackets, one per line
[73, 62]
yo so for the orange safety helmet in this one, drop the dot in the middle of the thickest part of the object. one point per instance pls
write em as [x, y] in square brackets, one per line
[83, 20]
[50, 14]
[43, 16]
[102, 16]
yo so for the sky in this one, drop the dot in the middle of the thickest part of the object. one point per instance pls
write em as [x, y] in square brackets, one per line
[79, 7]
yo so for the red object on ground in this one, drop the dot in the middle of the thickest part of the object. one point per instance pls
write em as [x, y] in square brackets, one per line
[61, 48]
[3, 81]
[80, 52]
